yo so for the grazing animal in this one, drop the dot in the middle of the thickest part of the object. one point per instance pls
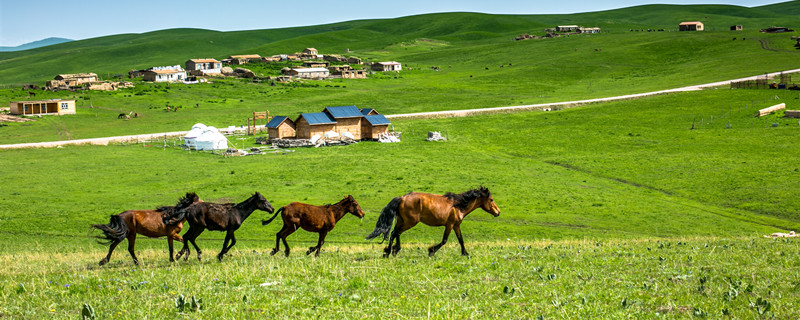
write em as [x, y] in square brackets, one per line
[446, 210]
[320, 219]
[145, 222]
[31, 93]
[226, 217]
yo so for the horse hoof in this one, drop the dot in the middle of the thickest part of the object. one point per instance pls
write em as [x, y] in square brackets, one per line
[287, 254]
[386, 255]
[219, 257]
[273, 252]
[104, 261]
[136, 262]
[465, 254]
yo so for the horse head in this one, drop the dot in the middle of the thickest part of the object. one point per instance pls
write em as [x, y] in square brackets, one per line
[262, 203]
[487, 202]
[353, 207]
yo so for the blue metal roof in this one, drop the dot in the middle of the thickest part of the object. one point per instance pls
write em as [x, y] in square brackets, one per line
[377, 120]
[318, 118]
[344, 112]
[275, 122]
[366, 111]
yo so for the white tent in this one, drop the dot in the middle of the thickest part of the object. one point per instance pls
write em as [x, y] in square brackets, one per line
[210, 139]
[189, 138]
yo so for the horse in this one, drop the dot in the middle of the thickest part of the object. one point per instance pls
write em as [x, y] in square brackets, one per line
[446, 210]
[226, 217]
[320, 219]
[145, 222]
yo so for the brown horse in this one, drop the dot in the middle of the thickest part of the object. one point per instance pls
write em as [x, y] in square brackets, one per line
[434, 210]
[145, 222]
[320, 219]
[226, 217]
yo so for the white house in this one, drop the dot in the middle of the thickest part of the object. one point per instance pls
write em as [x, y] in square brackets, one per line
[203, 66]
[310, 73]
[387, 66]
[165, 74]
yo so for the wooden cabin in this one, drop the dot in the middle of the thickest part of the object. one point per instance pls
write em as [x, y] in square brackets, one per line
[281, 127]
[374, 125]
[348, 119]
[53, 106]
[737, 27]
[690, 26]
[387, 66]
[310, 124]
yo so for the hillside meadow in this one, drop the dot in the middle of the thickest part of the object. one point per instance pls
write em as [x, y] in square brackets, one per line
[647, 208]
[617, 209]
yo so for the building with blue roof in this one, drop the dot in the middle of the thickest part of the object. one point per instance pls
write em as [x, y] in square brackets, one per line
[369, 112]
[281, 127]
[348, 120]
[373, 126]
[310, 124]
[343, 112]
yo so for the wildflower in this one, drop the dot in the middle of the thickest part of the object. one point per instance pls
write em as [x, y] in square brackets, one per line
[66, 285]
[52, 310]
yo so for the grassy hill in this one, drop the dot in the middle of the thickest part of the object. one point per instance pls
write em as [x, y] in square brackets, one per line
[120, 53]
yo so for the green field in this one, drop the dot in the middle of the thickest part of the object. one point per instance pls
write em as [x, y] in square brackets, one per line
[646, 208]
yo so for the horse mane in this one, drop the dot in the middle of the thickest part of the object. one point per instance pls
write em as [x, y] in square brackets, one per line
[462, 200]
[170, 212]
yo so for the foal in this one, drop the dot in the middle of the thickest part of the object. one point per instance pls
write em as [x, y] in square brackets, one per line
[320, 219]
[145, 222]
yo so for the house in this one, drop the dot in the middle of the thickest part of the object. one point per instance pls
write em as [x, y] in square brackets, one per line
[690, 26]
[242, 59]
[334, 58]
[354, 60]
[588, 30]
[374, 125]
[316, 64]
[570, 28]
[199, 67]
[339, 69]
[348, 119]
[310, 124]
[387, 66]
[311, 52]
[53, 106]
[71, 80]
[281, 127]
[309, 73]
[369, 112]
[352, 74]
[165, 74]
[737, 27]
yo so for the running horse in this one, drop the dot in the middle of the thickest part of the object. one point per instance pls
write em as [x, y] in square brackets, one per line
[320, 219]
[226, 217]
[145, 222]
[446, 210]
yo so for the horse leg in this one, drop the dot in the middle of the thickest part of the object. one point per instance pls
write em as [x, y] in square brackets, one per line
[185, 248]
[131, 244]
[278, 240]
[321, 240]
[457, 229]
[289, 230]
[432, 250]
[173, 237]
[229, 236]
[110, 250]
[395, 234]
[199, 252]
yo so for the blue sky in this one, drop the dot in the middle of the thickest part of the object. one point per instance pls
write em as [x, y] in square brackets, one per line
[23, 21]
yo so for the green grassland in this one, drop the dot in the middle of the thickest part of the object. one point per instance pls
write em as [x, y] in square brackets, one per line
[644, 208]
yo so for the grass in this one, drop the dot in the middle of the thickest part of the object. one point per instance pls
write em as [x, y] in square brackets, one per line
[652, 207]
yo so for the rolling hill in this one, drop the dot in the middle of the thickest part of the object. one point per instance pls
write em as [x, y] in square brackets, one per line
[35, 44]
[465, 31]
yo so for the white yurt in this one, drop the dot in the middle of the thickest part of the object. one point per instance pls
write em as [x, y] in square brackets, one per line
[210, 139]
[191, 136]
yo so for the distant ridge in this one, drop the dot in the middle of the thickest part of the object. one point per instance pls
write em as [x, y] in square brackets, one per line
[36, 44]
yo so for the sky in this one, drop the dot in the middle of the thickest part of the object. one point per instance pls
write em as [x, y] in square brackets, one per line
[23, 21]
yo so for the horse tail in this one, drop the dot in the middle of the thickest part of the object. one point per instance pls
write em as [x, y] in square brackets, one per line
[266, 222]
[385, 219]
[116, 230]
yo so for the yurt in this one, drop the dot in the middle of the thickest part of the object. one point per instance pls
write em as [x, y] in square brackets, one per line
[189, 138]
[210, 139]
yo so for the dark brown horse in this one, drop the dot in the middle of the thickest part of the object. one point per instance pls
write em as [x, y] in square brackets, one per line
[320, 219]
[145, 222]
[434, 210]
[226, 217]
